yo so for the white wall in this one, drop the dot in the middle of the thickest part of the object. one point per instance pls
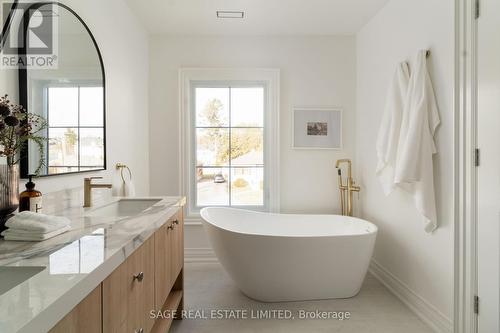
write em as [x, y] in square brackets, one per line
[124, 47]
[424, 263]
[315, 71]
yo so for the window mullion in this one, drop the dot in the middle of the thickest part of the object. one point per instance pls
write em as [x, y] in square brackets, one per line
[79, 137]
[230, 150]
[48, 131]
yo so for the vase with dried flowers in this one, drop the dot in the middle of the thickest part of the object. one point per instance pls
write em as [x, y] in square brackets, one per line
[17, 127]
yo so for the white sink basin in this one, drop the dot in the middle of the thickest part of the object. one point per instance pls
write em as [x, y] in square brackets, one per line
[11, 276]
[124, 208]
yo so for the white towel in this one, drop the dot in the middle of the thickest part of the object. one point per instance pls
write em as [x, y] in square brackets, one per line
[36, 222]
[388, 135]
[31, 236]
[122, 188]
[414, 166]
[117, 187]
[129, 188]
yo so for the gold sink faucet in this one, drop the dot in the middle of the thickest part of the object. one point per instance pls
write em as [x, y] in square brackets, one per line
[87, 190]
[346, 190]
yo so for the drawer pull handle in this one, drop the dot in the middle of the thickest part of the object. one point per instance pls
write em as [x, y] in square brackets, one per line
[140, 330]
[139, 277]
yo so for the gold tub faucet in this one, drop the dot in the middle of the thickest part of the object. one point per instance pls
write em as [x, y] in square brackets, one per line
[346, 190]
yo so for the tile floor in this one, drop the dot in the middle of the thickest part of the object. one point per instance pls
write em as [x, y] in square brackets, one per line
[373, 310]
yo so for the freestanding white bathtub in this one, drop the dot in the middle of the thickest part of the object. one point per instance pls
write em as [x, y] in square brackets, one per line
[278, 257]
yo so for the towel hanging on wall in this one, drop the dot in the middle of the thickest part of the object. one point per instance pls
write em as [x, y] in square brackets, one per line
[388, 135]
[416, 147]
[123, 186]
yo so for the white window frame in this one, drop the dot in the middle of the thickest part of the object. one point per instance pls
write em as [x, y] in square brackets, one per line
[269, 78]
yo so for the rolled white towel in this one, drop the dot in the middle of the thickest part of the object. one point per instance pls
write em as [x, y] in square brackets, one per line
[36, 222]
[30, 236]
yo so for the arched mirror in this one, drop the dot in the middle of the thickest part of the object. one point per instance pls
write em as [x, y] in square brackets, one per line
[69, 95]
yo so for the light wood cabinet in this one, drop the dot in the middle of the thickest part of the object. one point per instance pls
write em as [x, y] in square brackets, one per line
[163, 265]
[85, 317]
[114, 310]
[140, 291]
[128, 293]
[169, 263]
[169, 257]
[150, 279]
[177, 246]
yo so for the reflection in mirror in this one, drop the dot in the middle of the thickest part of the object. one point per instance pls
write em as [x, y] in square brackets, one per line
[71, 98]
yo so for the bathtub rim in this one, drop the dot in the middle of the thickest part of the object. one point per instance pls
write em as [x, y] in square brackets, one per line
[205, 220]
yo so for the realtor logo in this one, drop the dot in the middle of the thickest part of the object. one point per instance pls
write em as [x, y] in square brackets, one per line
[29, 36]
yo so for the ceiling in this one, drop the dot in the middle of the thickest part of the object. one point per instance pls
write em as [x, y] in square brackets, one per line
[262, 17]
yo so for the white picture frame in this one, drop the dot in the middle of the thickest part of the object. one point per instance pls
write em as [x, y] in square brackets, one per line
[317, 128]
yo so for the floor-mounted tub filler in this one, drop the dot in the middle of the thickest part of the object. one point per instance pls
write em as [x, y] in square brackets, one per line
[281, 257]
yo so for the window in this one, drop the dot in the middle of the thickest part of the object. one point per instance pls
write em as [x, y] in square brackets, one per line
[75, 128]
[229, 131]
[230, 141]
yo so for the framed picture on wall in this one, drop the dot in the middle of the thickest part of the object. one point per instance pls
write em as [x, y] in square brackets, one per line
[317, 128]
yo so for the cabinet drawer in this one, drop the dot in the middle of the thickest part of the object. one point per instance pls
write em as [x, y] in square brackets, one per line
[163, 283]
[169, 257]
[177, 246]
[140, 288]
[114, 301]
[128, 293]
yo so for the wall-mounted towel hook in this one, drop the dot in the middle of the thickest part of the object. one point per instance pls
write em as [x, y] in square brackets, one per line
[121, 167]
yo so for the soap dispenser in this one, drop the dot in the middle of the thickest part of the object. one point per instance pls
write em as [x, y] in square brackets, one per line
[30, 199]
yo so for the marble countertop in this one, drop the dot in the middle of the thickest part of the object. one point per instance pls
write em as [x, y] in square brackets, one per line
[75, 263]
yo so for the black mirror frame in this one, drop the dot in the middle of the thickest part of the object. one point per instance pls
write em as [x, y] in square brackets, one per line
[7, 23]
[23, 87]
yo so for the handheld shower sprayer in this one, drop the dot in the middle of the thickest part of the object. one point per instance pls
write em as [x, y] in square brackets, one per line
[346, 190]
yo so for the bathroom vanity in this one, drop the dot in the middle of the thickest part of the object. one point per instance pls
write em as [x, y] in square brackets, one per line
[150, 279]
[120, 265]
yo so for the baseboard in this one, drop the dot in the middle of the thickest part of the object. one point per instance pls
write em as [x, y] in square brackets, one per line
[189, 221]
[199, 255]
[422, 308]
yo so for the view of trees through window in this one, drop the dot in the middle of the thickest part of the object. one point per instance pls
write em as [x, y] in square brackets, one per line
[230, 146]
[76, 129]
